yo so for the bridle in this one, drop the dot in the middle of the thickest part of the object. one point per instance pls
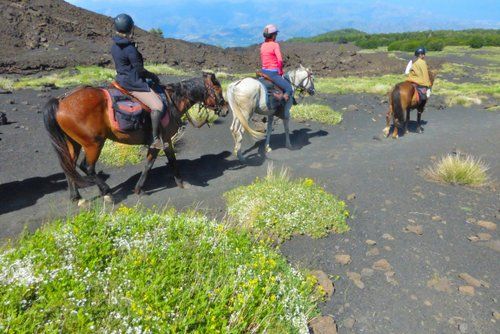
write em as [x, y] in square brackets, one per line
[203, 107]
[301, 87]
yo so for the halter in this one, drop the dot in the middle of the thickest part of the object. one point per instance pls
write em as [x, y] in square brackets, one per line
[301, 87]
[219, 103]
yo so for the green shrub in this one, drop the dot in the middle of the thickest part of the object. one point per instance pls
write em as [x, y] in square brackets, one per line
[144, 272]
[280, 208]
[476, 43]
[316, 112]
[461, 169]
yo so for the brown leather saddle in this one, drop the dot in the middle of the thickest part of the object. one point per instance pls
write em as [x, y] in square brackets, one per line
[275, 90]
[122, 90]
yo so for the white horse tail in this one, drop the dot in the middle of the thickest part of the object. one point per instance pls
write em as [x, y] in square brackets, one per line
[236, 106]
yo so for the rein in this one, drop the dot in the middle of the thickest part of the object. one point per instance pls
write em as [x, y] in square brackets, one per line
[301, 87]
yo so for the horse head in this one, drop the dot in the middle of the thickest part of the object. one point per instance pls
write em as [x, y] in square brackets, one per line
[214, 99]
[303, 80]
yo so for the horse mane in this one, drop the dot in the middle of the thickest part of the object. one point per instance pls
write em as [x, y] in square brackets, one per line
[193, 89]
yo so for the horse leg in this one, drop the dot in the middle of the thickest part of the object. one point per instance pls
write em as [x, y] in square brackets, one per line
[388, 116]
[407, 121]
[150, 160]
[237, 132]
[92, 153]
[74, 149]
[286, 125]
[396, 128]
[420, 110]
[269, 131]
[172, 161]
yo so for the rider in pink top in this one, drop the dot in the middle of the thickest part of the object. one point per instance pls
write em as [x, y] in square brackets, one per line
[272, 62]
[270, 55]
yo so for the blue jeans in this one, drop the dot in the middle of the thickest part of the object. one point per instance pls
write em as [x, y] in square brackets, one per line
[280, 81]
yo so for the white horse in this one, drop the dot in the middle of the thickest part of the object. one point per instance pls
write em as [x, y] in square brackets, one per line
[248, 95]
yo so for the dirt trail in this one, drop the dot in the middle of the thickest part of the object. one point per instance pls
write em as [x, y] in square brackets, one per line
[418, 293]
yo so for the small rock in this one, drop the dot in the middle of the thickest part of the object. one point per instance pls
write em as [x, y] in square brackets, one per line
[373, 252]
[387, 236]
[436, 218]
[371, 242]
[487, 225]
[349, 323]
[427, 303]
[26, 103]
[484, 236]
[343, 259]
[350, 197]
[11, 101]
[413, 297]
[356, 279]
[473, 281]
[389, 277]
[493, 244]
[440, 284]
[367, 272]
[466, 290]
[352, 108]
[473, 238]
[323, 325]
[496, 315]
[463, 327]
[382, 264]
[417, 229]
[388, 248]
[324, 281]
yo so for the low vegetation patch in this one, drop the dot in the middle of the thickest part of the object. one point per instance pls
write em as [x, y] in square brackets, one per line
[460, 169]
[80, 75]
[316, 112]
[145, 272]
[117, 154]
[278, 207]
[354, 84]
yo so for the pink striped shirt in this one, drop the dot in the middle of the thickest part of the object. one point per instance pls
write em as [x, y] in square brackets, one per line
[270, 56]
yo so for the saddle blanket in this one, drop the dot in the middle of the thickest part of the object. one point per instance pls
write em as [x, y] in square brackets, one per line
[127, 114]
[274, 96]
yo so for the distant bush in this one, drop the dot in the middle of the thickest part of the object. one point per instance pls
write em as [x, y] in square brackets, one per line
[408, 41]
[156, 31]
[476, 43]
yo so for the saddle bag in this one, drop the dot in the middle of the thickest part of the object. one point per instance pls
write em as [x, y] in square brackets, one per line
[274, 96]
[129, 114]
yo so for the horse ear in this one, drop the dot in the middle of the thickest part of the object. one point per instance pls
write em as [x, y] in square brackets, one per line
[302, 67]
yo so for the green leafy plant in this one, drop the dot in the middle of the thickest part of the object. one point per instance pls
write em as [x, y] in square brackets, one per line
[136, 271]
[316, 112]
[278, 207]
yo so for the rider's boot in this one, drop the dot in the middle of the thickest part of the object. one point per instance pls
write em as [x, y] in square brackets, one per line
[155, 125]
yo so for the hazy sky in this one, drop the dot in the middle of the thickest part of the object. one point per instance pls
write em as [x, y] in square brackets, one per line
[237, 22]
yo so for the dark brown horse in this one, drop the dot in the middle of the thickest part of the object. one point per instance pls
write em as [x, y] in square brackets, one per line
[80, 120]
[401, 101]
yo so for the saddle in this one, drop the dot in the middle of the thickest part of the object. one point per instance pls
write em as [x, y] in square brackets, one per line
[126, 113]
[420, 95]
[274, 96]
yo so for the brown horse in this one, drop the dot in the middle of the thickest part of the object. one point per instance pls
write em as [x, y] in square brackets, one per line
[81, 119]
[401, 99]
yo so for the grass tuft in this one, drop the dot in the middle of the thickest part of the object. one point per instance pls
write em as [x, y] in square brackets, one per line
[118, 155]
[279, 207]
[460, 169]
[146, 272]
[316, 112]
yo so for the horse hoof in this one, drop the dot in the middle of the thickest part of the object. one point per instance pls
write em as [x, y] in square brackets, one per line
[108, 198]
[83, 203]
[268, 149]
[386, 132]
[395, 137]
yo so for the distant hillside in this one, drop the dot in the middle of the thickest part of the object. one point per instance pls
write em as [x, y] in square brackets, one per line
[408, 41]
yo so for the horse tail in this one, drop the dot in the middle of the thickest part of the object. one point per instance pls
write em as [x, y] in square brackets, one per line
[237, 109]
[397, 108]
[58, 139]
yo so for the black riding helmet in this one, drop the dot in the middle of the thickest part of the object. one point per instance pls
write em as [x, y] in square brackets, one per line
[124, 23]
[420, 51]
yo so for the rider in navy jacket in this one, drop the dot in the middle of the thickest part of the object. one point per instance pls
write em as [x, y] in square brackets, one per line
[131, 74]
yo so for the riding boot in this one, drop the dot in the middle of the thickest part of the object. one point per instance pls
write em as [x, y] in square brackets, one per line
[155, 126]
